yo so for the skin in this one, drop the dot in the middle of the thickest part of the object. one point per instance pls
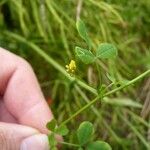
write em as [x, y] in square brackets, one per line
[23, 109]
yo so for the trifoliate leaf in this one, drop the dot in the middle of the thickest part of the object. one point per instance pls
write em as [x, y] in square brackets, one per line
[106, 50]
[84, 55]
[98, 145]
[84, 132]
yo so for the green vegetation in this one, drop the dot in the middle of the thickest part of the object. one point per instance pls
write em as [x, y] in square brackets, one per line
[111, 84]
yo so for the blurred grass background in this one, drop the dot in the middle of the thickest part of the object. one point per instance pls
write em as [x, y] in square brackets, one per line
[31, 27]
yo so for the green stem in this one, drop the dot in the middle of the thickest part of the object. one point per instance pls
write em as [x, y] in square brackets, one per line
[81, 110]
[106, 94]
[128, 83]
[97, 113]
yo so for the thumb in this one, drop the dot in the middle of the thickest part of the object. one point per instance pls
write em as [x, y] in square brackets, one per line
[18, 137]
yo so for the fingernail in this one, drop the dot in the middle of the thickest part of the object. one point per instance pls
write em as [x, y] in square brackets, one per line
[35, 142]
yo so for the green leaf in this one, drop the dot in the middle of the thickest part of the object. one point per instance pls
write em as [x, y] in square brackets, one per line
[106, 50]
[62, 130]
[51, 125]
[83, 32]
[84, 55]
[52, 140]
[98, 145]
[84, 132]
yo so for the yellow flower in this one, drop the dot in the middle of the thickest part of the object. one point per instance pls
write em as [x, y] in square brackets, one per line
[71, 68]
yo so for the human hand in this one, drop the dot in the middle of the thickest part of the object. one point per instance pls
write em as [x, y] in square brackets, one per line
[23, 110]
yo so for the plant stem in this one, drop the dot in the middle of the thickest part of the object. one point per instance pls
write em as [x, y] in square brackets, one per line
[97, 113]
[106, 94]
[128, 83]
[81, 110]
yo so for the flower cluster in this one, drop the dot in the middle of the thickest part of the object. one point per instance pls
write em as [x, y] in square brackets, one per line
[71, 68]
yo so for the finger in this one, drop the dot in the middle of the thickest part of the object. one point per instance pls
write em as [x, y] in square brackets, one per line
[21, 93]
[18, 137]
[5, 115]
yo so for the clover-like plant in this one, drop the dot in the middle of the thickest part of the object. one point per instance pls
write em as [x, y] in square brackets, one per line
[85, 131]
